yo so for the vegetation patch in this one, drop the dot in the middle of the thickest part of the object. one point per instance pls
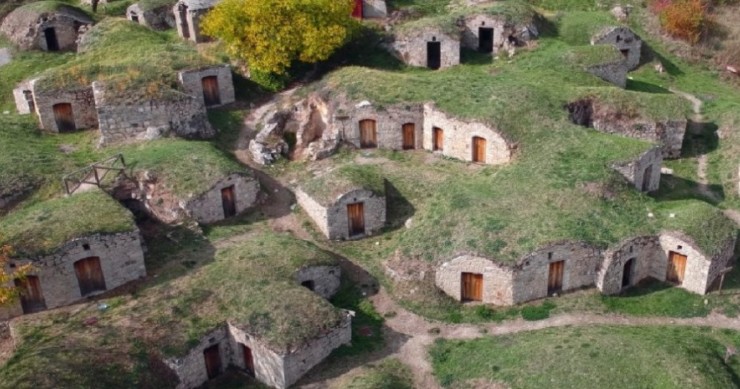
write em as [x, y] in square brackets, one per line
[328, 186]
[387, 374]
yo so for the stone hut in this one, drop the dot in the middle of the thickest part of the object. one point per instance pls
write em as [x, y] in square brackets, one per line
[323, 280]
[624, 40]
[396, 127]
[159, 18]
[188, 14]
[474, 278]
[427, 45]
[488, 31]
[644, 171]
[228, 197]
[467, 141]
[45, 25]
[629, 262]
[104, 253]
[213, 85]
[370, 9]
[58, 109]
[344, 203]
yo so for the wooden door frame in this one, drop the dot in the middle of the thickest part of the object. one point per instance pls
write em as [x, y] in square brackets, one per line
[350, 222]
[373, 142]
[93, 288]
[208, 351]
[475, 141]
[561, 277]
[23, 287]
[679, 277]
[478, 293]
[438, 146]
[217, 100]
[232, 190]
[404, 145]
[64, 126]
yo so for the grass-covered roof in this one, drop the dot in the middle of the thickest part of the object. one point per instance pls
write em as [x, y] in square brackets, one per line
[43, 227]
[706, 225]
[41, 7]
[511, 11]
[577, 28]
[328, 186]
[587, 56]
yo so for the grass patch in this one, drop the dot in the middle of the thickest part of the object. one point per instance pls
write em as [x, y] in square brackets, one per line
[388, 374]
[657, 299]
[367, 325]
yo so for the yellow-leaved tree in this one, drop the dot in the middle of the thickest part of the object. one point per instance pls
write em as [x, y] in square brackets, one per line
[269, 35]
[9, 292]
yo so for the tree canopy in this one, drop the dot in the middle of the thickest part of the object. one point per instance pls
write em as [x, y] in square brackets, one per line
[270, 34]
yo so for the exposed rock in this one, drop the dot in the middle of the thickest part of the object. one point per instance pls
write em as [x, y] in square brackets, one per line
[621, 13]
[269, 144]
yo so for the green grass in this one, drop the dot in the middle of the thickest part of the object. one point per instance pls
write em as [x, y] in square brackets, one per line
[367, 325]
[387, 374]
[424, 7]
[593, 357]
[577, 28]
[657, 299]
[328, 186]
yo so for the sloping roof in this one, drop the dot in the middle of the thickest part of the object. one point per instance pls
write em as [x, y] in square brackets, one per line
[199, 4]
[602, 33]
[29, 14]
[327, 187]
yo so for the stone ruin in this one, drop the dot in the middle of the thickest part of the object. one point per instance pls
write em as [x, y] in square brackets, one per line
[624, 40]
[45, 26]
[160, 18]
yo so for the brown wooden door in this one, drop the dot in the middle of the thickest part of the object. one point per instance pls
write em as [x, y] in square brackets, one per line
[472, 287]
[228, 202]
[368, 134]
[211, 93]
[248, 360]
[356, 216]
[64, 117]
[89, 275]
[555, 277]
[409, 136]
[437, 139]
[676, 267]
[32, 300]
[479, 149]
[212, 357]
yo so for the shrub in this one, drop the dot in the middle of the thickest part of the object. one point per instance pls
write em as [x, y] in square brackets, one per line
[684, 19]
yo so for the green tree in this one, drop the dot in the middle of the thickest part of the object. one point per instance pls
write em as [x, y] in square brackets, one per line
[269, 35]
[8, 291]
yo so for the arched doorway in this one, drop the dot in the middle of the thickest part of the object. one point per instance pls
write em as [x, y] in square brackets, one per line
[627, 272]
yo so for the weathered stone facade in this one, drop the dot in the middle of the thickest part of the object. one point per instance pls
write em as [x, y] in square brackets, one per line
[121, 260]
[323, 280]
[188, 16]
[209, 207]
[457, 138]
[644, 253]
[411, 46]
[23, 96]
[178, 114]
[644, 171]
[668, 133]
[624, 40]
[388, 121]
[160, 18]
[333, 219]
[612, 72]
[193, 83]
[497, 280]
[374, 9]
[30, 97]
[504, 34]
[701, 270]
[57, 30]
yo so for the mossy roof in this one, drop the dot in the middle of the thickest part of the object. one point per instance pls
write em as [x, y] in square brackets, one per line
[43, 227]
[446, 24]
[149, 5]
[588, 56]
[43, 7]
[706, 225]
[327, 187]
[511, 11]
[578, 27]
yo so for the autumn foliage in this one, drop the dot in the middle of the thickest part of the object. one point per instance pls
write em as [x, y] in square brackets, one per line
[683, 19]
[8, 291]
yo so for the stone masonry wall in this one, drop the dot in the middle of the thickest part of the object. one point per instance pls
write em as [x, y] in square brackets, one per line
[160, 18]
[269, 366]
[471, 33]
[191, 369]
[338, 221]
[389, 123]
[411, 47]
[634, 171]
[208, 207]
[700, 270]
[615, 73]
[531, 272]
[191, 80]
[374, 9]
[21, 102]
[82, 101]
[326, 279]
[645, 250]
[121, 259]
[669, 133]
[458, 137]
[314, 210]
[32, 37]
[497, 279]
[625, 41]
[193, 19]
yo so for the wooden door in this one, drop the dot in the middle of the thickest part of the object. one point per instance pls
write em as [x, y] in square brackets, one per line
[676, 267]
[434, 55]
[437, 139]
[627, 272]
[368, 134]
[211, 93]
[356, 216]
[646, 178]
[89, 275]
[485, 40]
[212, 357]
[64, 117]
[248, 360]
[32, 300]
[479, 149]
[52, 44]
[555, 277]
[409, 136]
[228, 202]
[472, 287]
[357, 11]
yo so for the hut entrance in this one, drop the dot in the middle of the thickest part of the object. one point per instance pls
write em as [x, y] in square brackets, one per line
[50, 35]
[472, 287]
[211, 93]
[676, 267]
[646, 178]
[434, 55]
[182, 10]
[437, 139]
[28, 95]
[627, 272]
[89, 275]
[212, 357]
[135, 18]
[368, 134]
[625, 53]
[357, 11]
[64, 117]
[227, 201]
[485, 40]
[248, 360]
[356, 217]
[479, 149]
[308, 285]
[32, 300]
[409, 136]
[555, 277]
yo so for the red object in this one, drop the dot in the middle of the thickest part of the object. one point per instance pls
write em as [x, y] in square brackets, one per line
[357, 12]
[90, 321]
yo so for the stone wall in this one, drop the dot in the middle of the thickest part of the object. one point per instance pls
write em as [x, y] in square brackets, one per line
[81, 99]
[269, 366]
[196, 10]
[669, 133]
[458, 137]
[411, 47]
[208, 206]
[22, 103]
[338, 220]
[501, 32]
[160, 18]
[531, 272]
[191, 81]
[644, 250]
[497, 279]
[121, 259]
[374, 9]
[700, 269]
[389, 123]
[644, 171]
[191, 369]
[28, 33]
[615, 73]
[325, 279]
[314, 210]
[179, 115]
[626, 41]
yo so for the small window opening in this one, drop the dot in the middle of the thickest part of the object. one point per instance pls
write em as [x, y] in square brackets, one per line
[549, 255]
[680, 247]
[86, 247]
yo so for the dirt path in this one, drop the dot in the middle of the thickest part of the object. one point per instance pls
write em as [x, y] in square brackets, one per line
[5, 56]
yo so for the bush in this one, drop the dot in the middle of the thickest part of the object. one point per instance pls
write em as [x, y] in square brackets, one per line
[684, 19]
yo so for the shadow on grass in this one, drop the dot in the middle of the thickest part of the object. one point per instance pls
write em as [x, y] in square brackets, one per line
[655, 298]
[399, 209]
[474, 57]
[647, 54]
[678, 188]
[700, 138]
[642, 86]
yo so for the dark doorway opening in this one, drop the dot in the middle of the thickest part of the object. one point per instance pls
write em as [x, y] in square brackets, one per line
[625, 52]
[627, 273]
[28, 95]
[647, 176]
[135, 18]
[89, 275]
[308, 285]
[32, 300]
[212, 358]
[248, 360]
[52, 44]
[182, 9]
[485, 40]
[64, 117]
[228, 202]
[434, 55]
